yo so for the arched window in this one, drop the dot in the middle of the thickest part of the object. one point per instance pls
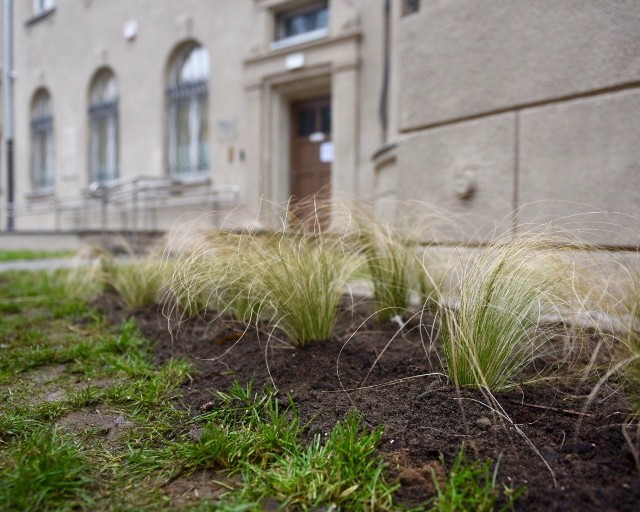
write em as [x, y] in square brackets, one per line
[103, 127]
[187, 95]
[42, 142]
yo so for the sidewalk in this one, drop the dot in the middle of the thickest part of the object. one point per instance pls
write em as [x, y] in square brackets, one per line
[46, 264]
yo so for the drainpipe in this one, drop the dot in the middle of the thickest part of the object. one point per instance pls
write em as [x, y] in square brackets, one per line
[8, 106]
[383, 111]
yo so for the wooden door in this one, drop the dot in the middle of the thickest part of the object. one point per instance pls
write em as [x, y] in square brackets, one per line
[311, 153]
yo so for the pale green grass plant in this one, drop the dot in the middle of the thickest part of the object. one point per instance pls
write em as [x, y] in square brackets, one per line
[492, 333]
[89, 277]
[395, 269]
[303, 278]
[188, 284]
[139, 282]
[217, 272]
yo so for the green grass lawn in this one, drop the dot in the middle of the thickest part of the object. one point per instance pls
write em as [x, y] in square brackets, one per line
[32, 255]
[87, 422]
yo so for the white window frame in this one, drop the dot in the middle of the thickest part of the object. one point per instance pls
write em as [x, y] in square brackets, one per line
[281, 41]
[194, 94]
[300, 38]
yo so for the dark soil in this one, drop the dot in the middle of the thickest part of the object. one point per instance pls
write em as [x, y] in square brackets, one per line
[423, 417]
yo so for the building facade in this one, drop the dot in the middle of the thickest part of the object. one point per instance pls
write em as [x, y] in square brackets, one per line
[499, 114]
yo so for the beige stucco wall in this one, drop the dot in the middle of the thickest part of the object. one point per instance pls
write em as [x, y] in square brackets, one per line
[436, 167]
[580, 167]
[562, 79]
[461, 58]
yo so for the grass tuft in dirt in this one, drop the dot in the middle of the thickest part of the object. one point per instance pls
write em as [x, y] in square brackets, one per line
[89, 277]
[630, 369]
[245, 427]
[151, 390]
[472, 485]
[48, 470]
[302, 284]
[340, 472]
[14, 424]
[216, 272]
[292, 280]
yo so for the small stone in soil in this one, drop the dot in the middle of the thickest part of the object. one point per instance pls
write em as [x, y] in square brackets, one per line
[484, 423]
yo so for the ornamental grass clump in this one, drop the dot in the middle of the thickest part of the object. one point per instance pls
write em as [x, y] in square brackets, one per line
[218, 273]
[631, 425]
[188, 283]
[138, 282]
[631, 345]
[395, 269]
[633, 370]
[632, 302]
[493, 333]
[237, 277]
[302, 281]
[626, 366]
[89, 277]
[293, 280]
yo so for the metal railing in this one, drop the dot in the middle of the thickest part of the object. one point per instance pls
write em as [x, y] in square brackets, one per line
[134, 200]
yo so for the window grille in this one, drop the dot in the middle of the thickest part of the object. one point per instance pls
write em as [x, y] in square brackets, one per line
[103, 124]
[187, 95]
[42, 173]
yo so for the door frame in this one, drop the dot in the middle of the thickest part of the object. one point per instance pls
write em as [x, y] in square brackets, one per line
[319, 101]
[276, 161]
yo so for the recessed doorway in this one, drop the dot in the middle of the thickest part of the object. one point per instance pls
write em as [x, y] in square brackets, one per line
[311, 151]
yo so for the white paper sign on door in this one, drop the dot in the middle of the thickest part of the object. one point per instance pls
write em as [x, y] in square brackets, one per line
[326, 152]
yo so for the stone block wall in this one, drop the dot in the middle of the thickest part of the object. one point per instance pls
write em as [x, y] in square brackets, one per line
[513, 105]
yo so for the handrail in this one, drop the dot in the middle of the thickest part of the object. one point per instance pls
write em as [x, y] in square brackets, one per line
[138, 196]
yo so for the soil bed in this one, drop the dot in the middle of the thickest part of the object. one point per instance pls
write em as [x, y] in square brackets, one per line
[423, 417]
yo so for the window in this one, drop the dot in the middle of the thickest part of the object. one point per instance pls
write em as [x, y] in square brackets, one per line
[42, 143]
[42, 6]
[103, 127]
[187, 113]
[302, 24]
[410, 6]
